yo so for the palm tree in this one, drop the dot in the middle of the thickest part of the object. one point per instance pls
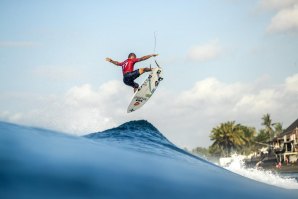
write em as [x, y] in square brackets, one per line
[249, 134]
[228, 136]
[267, 123]
[262, 137]
[277, 128]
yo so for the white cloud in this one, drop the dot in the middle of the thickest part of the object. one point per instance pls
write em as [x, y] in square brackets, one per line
[292, 83]
[186, 118]
[18, 44]
[10, 116]
[213, 90]
[276, 4]
[285, 17]
[286, 20]
[80, 110]
[205, 52]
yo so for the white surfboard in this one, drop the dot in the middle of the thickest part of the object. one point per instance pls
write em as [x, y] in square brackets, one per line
[146, 90]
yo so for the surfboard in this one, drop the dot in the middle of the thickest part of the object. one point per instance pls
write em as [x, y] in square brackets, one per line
[146, 90]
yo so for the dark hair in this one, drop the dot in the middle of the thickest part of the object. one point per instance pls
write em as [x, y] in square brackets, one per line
[131, 54]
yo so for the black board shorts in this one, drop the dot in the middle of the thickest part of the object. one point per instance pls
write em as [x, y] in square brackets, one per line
[128, 78]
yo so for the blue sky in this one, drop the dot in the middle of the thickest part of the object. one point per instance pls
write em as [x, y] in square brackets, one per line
[49, 47]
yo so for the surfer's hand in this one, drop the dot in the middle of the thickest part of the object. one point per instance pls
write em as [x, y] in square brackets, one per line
[108, 59]
[154, 55]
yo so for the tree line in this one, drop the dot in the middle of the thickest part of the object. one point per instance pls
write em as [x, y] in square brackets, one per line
[231, 137]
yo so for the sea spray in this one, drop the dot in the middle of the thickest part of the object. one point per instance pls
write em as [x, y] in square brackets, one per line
[237, 165]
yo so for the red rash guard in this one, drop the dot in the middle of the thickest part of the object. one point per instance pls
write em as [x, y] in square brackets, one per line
[128, 65]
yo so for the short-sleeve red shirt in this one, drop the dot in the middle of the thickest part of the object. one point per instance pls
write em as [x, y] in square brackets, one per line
[128, 65]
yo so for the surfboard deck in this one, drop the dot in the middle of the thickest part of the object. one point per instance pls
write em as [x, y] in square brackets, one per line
[146, 90]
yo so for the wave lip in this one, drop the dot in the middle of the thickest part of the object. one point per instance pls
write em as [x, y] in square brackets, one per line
[142, 136]
[140, 130]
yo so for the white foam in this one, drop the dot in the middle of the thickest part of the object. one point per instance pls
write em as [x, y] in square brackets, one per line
[265, 176]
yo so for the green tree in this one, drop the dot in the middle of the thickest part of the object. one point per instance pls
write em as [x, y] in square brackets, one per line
[201, 151]
[227, 137]
[277, 128]
[215, 151]
[267, 123]
[262, 136]
[249, 134]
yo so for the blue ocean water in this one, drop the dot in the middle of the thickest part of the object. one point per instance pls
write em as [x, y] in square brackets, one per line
[133, 160]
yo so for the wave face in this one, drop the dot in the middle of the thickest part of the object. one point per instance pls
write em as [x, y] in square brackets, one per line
[133, 160]
[142, 136]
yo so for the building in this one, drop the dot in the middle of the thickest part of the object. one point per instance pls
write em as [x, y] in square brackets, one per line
[285, 145]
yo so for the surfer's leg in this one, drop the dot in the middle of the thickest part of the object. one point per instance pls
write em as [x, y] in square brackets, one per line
[135, 86]
[132, 84]
[129, 78]
[142, 70]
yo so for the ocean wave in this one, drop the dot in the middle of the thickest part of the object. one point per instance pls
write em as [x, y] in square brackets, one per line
[133, 160]
[144, 137]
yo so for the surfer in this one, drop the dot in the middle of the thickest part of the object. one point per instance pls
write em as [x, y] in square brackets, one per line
[129, 74]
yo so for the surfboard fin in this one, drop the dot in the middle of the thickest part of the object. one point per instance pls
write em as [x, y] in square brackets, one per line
[157, 64]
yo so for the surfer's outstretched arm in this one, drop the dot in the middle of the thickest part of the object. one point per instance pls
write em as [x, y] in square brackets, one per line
[147, 57]
[112, 61]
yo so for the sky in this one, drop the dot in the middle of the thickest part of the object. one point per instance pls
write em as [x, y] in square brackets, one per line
[229, 60]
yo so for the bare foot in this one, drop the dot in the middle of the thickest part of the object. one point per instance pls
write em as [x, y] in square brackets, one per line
[142, 70]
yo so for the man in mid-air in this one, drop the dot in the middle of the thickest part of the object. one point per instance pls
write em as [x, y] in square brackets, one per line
[129, 74]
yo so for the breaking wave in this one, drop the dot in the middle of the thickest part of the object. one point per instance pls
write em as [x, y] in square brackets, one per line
[237, 165]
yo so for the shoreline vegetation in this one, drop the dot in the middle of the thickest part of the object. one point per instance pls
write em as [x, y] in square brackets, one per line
[270, 147]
